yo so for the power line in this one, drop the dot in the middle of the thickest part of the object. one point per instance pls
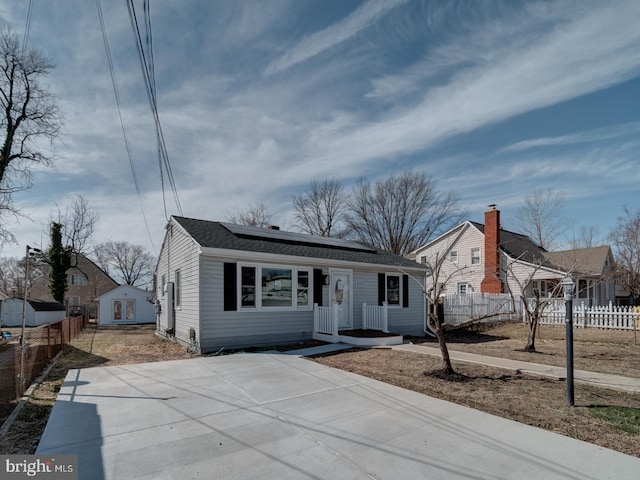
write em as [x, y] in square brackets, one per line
[149, 81]
[27, 25]
[124, 133]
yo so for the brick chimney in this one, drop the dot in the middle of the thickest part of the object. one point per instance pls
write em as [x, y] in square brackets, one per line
[491, 282]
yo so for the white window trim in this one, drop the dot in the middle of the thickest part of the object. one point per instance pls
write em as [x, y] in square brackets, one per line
[258, 288]
[400, 292]
[479, 256]
[451, 256]
[467, 287]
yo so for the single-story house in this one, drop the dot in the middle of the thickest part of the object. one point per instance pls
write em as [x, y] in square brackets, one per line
[484, 258]
[220, 285]
[37, 312]
[125, 305]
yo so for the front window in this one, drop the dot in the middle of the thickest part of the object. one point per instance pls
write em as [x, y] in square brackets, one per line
[276, 287]
[248, 278]
[475, 256]
[393, 290]
[280, 287]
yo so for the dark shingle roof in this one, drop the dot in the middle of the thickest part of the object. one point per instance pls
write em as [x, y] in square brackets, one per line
[588, 261]
[210, 234]
[520, 246]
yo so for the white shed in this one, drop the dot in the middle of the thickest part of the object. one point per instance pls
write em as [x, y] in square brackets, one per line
[38, 313]
[125, 305]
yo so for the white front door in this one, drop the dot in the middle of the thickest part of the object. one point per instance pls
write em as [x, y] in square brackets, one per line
[340, 291]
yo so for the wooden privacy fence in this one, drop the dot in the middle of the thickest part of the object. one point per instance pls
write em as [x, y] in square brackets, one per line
[481, 307]
[41, 344]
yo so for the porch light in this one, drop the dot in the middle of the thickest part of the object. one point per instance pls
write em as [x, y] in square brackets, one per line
[567, 285]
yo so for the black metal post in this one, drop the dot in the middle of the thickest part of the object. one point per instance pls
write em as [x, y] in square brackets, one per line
[569, 335]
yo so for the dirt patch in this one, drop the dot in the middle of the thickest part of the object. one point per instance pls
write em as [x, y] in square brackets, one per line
[96, 346]
[532, 400]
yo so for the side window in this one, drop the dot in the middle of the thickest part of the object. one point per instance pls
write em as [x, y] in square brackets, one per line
[463, 288]
[177, 288]
[475, 256]
[453, 256]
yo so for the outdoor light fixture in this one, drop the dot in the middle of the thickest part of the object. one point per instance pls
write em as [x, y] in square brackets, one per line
[568, 286]
[29, 252]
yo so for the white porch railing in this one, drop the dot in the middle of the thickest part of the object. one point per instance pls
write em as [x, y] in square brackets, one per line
[375, 317]
[606, 317]
[325, 319]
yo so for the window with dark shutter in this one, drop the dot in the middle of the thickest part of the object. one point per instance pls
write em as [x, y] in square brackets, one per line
[230, 287]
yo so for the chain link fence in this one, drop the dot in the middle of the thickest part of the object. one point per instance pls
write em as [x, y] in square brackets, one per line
[41, 344]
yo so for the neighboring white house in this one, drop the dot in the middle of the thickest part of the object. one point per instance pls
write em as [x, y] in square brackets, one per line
[477, 258]
[37, 312]
[224, 285]
[125, 305]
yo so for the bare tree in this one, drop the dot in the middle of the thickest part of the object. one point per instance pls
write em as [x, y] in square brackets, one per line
[541, 217]
[321, 209]
[27, 114]
[402, 212]
[12, 274]
[256, 215]
[78, 224]
[132, 264]
[625, 238]
[588, 237]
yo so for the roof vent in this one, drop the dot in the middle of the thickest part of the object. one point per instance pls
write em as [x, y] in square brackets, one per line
[273, 227]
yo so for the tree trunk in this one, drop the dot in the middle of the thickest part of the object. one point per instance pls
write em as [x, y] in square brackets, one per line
[531, 338]
[444, 351]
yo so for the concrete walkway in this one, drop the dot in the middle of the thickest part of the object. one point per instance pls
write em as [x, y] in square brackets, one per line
[271, 416]
[614, 382]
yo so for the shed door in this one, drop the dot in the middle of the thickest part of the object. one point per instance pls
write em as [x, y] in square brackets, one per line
[124, 310]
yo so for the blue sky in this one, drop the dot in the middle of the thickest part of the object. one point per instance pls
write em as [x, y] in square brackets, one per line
[257, 98]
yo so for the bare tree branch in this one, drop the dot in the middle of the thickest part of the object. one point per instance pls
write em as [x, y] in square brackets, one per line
[625, 238]
[256, 215]
[132, 264]
[321, 209]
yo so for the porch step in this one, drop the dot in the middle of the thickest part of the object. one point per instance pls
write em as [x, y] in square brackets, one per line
[361, 338]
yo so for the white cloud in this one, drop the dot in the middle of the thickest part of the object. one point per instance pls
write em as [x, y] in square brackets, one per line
[318, 42]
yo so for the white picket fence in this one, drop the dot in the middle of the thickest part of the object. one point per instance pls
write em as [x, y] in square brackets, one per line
[606, 317]
[375, 317]
[481, 307]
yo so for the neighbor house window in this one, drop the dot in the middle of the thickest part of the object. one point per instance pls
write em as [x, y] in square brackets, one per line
[475, 256]
[280, 287]
[453, 256]
[463, 288]
[74, 301]
[177, 288]
[78, 279]
[393, 290]
[423, 260]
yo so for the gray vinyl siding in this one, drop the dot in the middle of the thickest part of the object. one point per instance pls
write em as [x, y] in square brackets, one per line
[233, 329]
[181, 252]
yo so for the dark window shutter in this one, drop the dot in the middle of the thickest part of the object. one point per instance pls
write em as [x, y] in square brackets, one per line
[230, 287]
[405, 291]
[317, 286]
[382, 288]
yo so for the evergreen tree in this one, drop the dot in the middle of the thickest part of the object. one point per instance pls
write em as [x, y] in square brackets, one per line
[59, 259]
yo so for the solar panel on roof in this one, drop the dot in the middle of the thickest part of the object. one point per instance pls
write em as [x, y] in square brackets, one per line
[294, 237]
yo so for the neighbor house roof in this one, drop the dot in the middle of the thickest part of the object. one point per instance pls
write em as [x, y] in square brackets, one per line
[588, 261]
[520, 246]
[40, 306]
[218, 235]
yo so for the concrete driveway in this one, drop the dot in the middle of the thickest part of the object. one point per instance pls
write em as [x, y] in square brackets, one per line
[269, 416]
